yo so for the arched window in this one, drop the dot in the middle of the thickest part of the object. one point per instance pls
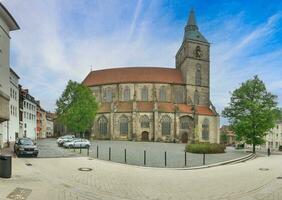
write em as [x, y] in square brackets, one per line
[179, 95]
[123, 125]
[198, 75]
[162, 93]
[185, 122]
[166, 125]
[126, 94]
[145, 121]
[205, 129]
[108, 95]
[144, 94]
[103, 125]
[196, 97]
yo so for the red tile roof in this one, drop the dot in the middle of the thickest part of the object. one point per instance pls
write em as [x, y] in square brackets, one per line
[145, 106]
[134, 75]
[162, 107]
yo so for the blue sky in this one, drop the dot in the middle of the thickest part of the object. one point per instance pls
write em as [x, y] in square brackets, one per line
[60, 39]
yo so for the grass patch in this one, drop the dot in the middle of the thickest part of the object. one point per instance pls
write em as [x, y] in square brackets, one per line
[205, 148]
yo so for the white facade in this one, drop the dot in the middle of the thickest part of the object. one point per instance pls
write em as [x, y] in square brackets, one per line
[29, 117]
[7, 24]
[49, 128]
[274, 137]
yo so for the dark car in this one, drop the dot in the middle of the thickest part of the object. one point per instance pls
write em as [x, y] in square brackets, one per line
[25, 146]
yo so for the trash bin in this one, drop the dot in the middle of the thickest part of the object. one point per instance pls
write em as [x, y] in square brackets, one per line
[5, 166]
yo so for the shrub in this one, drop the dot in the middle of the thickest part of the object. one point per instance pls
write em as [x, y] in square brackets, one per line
[206, 148]
[280, 148]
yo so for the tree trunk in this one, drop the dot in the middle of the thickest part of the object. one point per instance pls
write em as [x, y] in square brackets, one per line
[254, 148]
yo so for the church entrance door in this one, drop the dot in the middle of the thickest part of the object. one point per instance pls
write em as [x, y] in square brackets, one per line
[184, 137]
[145, 136]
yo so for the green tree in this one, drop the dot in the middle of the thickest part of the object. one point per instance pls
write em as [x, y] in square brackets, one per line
[252, 112]
[77, 107]
[223, 138]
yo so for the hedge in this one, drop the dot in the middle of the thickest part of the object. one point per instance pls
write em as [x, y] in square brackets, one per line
[205, 148]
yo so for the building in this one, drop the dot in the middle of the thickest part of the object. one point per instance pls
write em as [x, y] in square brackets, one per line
[159, 104]
[49, 124]
[7, 24]
[28, 114]
[274, 137]
[231, 137]
[41, 121]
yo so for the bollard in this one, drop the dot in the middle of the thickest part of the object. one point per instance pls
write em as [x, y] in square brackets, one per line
[165, 158]
[73, 148]
[144, 157]
[80, 148]
[124, 155]
[185, 158]
[204, 159]
[97, 151]
[110, 153]
[88, 151]
[268, 151]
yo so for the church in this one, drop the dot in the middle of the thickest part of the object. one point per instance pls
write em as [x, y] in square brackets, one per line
[158, 104]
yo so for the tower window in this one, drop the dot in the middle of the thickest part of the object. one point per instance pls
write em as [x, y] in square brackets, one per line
[196, 97]
[198, 75]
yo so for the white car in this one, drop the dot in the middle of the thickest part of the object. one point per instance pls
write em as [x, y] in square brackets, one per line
[65, 138]
[77, 143]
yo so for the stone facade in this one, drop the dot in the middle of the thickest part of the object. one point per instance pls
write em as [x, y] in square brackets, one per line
[158, 104]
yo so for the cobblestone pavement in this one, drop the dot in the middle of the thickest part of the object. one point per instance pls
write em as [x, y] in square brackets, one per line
[155, 154]
[60, 179]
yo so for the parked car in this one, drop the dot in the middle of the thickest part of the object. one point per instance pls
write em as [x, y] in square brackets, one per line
[65, 138]
[25, 146]
[78, 143]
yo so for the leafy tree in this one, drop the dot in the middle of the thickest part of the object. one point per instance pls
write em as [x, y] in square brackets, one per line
[252, 112]
[223, 138]
[77, 107]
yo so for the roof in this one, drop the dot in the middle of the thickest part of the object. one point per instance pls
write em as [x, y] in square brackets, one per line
[9, 19]
[192, 31]
[13, 72]
[133, 75]
[142, 106]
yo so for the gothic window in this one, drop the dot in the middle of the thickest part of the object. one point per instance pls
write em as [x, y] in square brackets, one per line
[162, 93]
[166, 125]
[108, 95]
[198, 52]
[179, 95]
[123, 125]
[103, 125]
[145, 121]
[126, 94]
[198, 75]
[205, 129]
[184, 122]
[144, 94]
[196, 97]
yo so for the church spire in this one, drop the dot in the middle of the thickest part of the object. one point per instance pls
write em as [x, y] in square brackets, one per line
[192, 24]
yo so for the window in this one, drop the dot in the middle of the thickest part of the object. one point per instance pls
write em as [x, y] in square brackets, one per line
[145, 121]
[196, 97]
[123, 123]
[103, 125]
[198, 75]
[166, 125]
[126, 94]
[205, 129]
[144, 94]
[108, 95]
[184, 122]
[179, 95]
[162, 93]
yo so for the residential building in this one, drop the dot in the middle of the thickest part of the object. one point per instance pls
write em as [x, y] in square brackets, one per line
[7, 24]
[29, 115]
[274, 137]
[159, 104]
[41, 121]
[49, 124]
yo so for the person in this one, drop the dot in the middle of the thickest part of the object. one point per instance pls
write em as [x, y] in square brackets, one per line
[268, 151]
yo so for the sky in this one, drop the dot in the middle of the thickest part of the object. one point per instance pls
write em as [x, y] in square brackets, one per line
[61, 40]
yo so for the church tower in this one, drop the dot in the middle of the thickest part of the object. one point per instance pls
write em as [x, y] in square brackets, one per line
[193, 60]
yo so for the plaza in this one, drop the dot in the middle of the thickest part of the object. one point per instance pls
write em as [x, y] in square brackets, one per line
[60, 179]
